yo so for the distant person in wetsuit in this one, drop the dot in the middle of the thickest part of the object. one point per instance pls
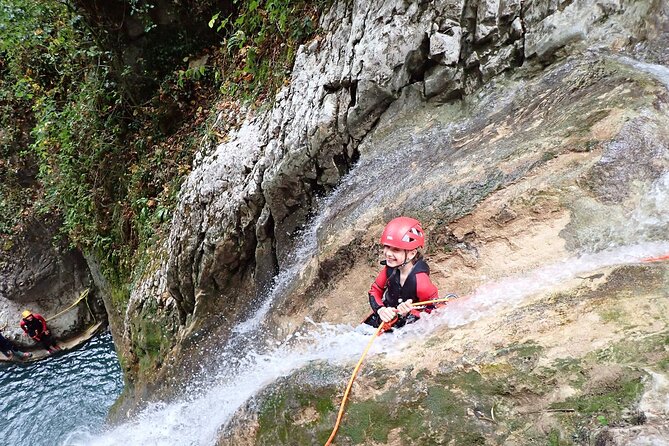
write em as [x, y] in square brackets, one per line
[10, 351]
[405, 279]
[35, 326]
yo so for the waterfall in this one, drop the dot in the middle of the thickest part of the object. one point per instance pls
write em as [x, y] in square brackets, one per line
[211, 399]
[246, 366]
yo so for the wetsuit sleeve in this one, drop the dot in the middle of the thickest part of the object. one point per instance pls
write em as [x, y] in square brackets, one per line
[376, 291]
[425, 289]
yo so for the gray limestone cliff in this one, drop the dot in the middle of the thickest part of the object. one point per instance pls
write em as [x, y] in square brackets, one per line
[431, 108]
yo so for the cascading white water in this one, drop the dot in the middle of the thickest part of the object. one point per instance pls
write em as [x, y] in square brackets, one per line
[247, 366]
[196, 419]
[213, 399]
[365, 187]
[660, 72]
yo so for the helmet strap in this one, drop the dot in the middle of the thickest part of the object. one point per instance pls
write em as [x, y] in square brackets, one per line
[406, 259]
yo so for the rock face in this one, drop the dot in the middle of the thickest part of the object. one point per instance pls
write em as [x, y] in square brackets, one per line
[370, 86]
[533, 217]
[39, 275]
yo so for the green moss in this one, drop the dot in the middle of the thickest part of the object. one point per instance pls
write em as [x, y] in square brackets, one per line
[280, 415]
[527, 349]
[609, 314]
[368, 420]
[609, 400]
[663, 364]
[633, 351]
[437, 416]
[415, 420]
[268, 415]
[554, 438]
[442, 403]
[120, 295]
[152, 336]
[568, 369]
[469, 438]
[547, 156]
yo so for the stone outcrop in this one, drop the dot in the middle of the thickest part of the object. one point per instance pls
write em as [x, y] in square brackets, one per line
[242, 208]
[39, 274]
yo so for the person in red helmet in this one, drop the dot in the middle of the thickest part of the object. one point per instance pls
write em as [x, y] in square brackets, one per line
[405, 278]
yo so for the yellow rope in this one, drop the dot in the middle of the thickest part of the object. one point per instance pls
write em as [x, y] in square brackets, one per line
[350, 384]
[382, 327]
[88, 305]
[82, 296]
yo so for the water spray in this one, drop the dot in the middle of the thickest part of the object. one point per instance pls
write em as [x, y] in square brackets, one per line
[383, 327]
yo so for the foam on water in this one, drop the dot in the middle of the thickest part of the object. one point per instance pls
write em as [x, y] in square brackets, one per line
[197, 418]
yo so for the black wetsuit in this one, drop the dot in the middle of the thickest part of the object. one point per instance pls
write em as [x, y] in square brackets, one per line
[6, 347]
[386, 291]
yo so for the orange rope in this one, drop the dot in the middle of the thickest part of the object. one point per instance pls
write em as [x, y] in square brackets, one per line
[382, 327]
[656, 259]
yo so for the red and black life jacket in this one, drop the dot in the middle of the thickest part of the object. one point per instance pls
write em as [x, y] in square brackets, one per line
[386, 290]
[35, 327]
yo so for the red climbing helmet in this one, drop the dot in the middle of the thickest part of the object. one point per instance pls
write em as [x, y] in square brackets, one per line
[403, 233]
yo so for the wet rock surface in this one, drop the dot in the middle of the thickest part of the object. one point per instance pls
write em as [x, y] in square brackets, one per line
[504, 130]
[528, 173]
[39, 274]
[578, 366]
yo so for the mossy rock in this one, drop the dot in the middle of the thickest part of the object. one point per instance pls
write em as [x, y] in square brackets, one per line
[487, 404]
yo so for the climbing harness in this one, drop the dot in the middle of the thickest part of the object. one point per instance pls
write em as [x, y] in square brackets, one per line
[385, 326]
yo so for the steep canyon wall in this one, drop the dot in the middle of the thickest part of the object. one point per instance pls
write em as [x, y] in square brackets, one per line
[242, 208]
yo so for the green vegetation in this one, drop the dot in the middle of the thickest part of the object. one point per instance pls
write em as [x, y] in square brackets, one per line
[77, 146]
[66, 119]
[97, 145]
[259, 44]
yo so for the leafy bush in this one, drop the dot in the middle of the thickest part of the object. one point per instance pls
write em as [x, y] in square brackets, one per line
[64, 117]
[260, 41]
[75, 146]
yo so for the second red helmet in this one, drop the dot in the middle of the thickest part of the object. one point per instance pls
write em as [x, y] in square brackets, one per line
[403, 233]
